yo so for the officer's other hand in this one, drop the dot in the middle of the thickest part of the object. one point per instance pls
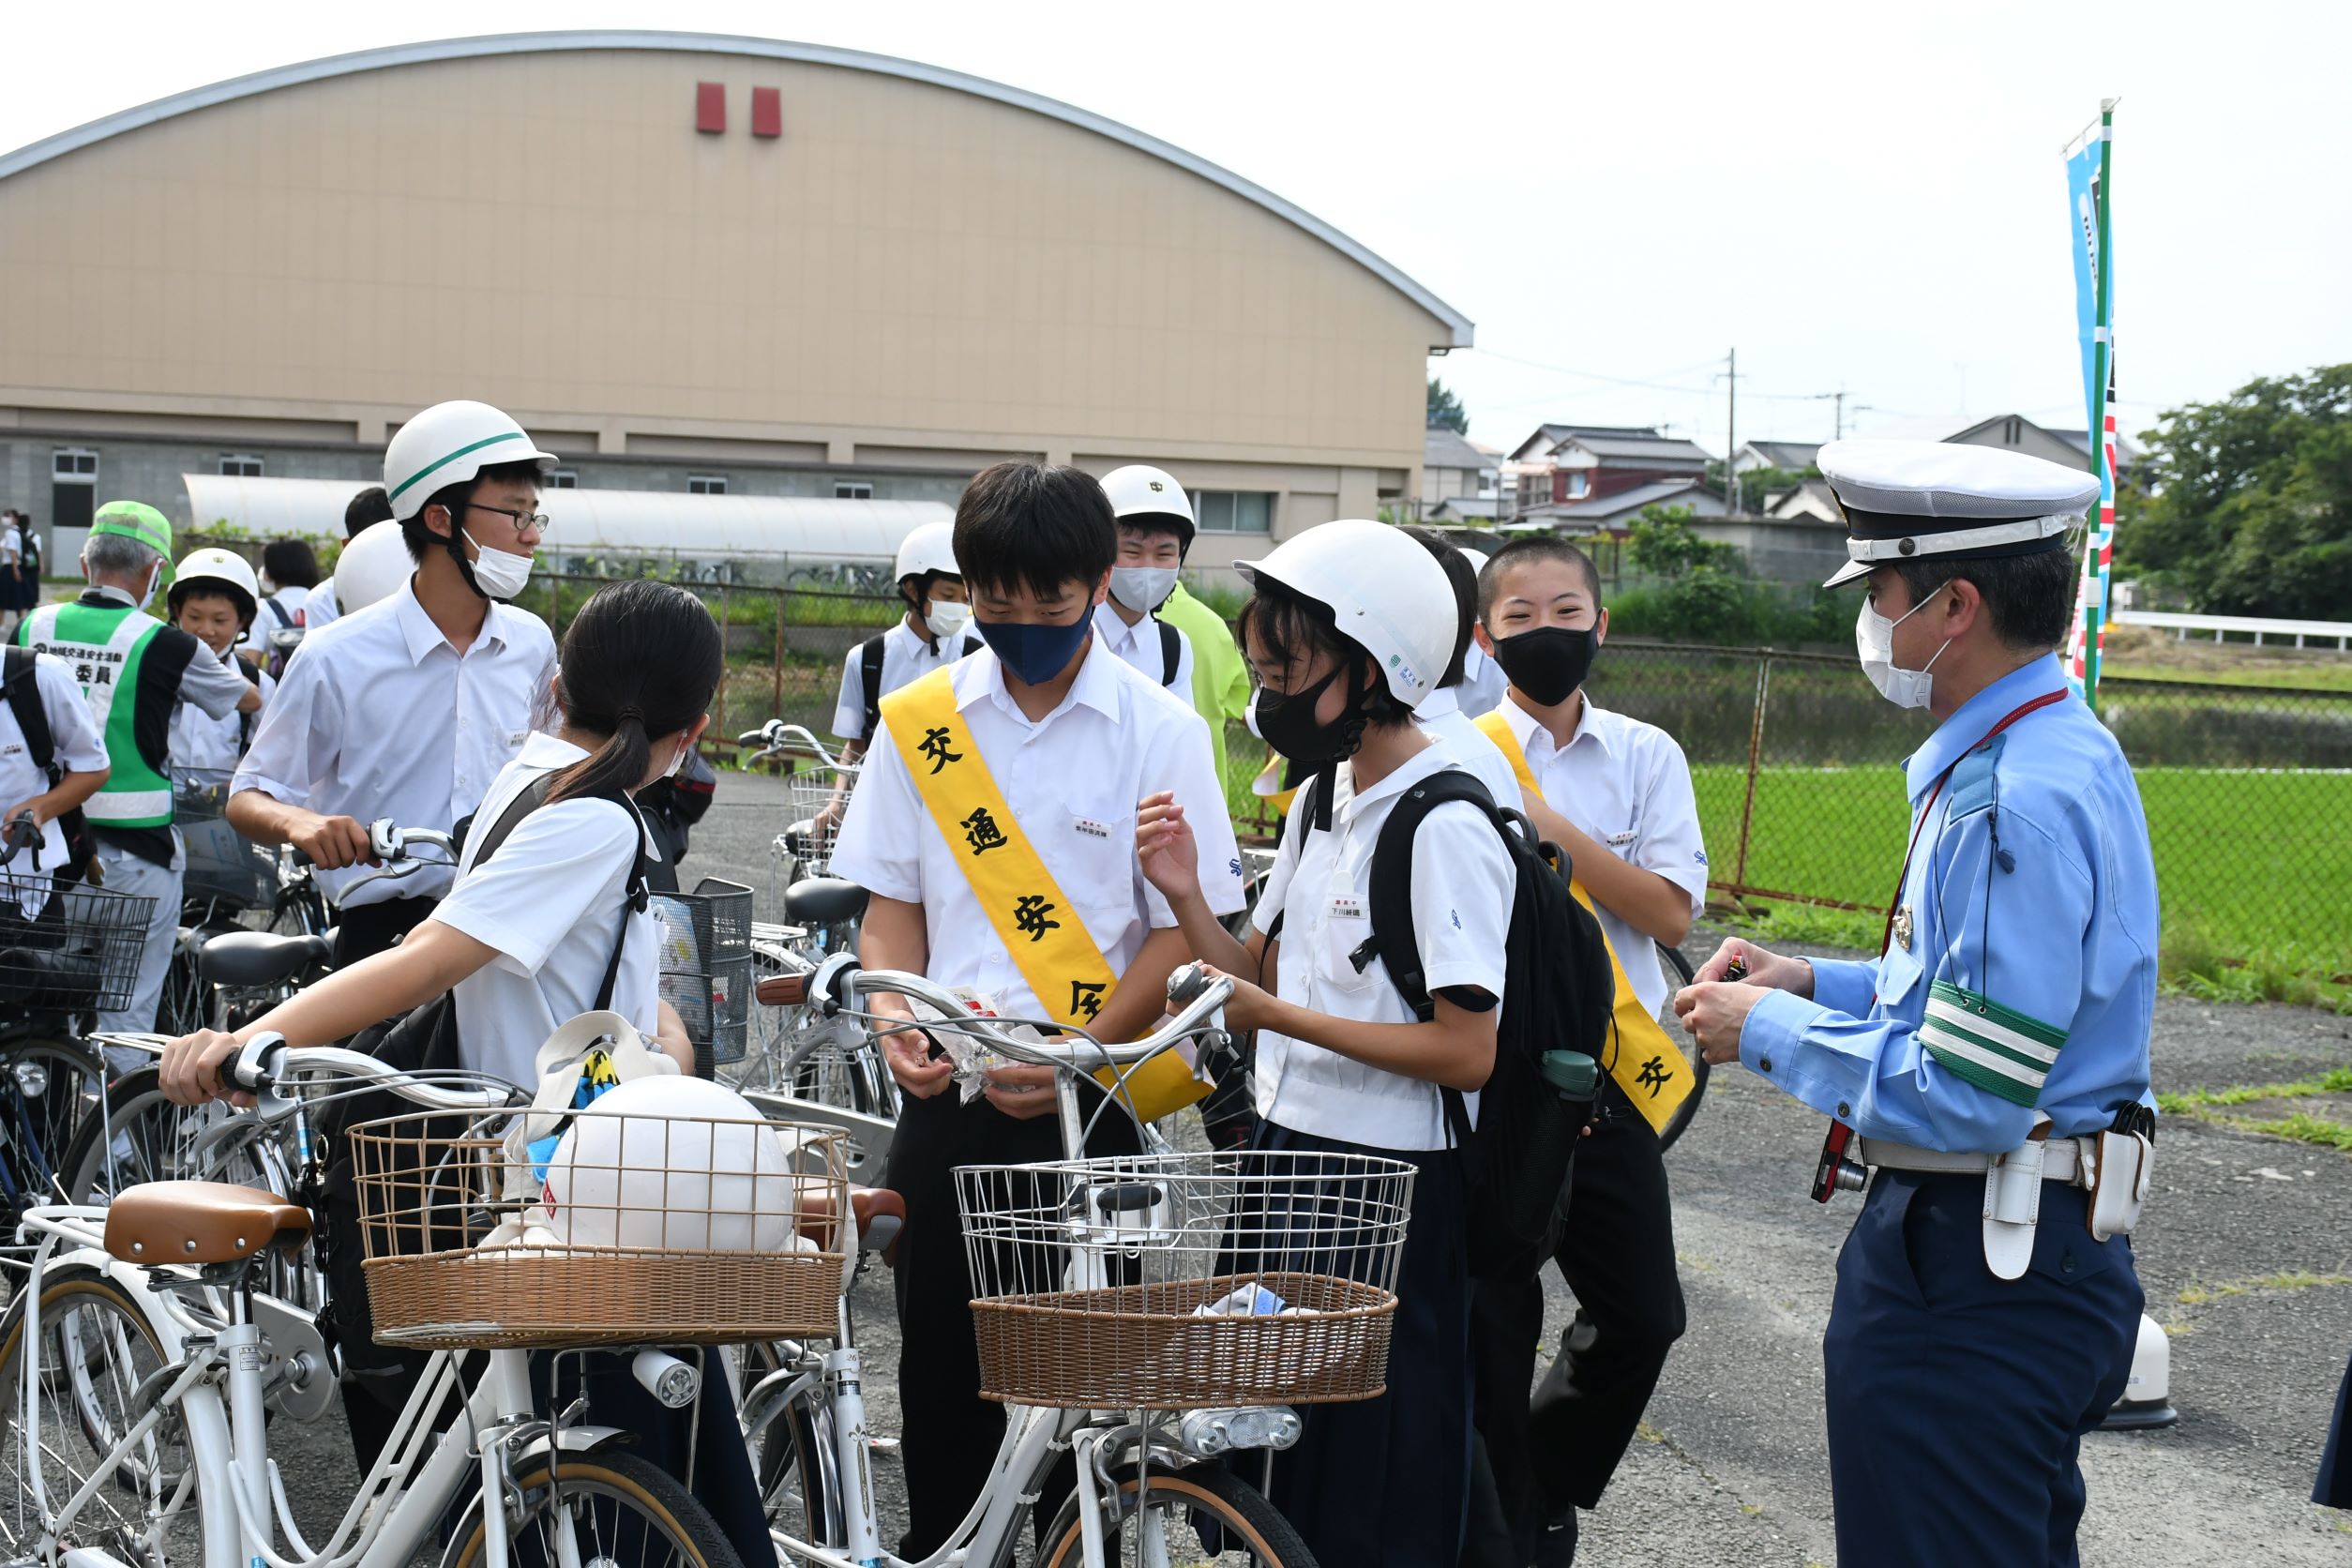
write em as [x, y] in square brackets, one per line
[1764, 968]
[1165, 848]
[909, 1054]
[1024, 1092]
[334, 842]
[190, 1071]
[1713, 1012]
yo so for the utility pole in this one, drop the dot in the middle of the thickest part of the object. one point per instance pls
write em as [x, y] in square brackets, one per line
[1840, 396]
[1731, 435]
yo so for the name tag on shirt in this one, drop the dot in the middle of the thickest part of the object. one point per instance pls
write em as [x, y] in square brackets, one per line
[1092, 829]
[1346, 909]
[1616, 841]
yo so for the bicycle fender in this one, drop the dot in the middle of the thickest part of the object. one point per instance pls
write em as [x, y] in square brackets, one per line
[575, 1440]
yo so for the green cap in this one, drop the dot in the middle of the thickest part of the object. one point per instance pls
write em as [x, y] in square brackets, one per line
[136, 519]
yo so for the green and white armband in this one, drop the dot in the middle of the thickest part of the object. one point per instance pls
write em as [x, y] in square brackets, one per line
[1999, 1049]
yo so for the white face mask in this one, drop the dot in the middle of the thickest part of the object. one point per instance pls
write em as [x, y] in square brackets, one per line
[1874, 643]
[1142, 587]
[154, 577]
[947, 619]
[676, 763]
[499, 573]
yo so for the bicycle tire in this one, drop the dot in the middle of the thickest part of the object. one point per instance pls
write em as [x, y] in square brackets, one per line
[40, 1127]
[619, 1478]
[1680, 967]
[67, 1295]
[796, 1492]
[1204, 1491]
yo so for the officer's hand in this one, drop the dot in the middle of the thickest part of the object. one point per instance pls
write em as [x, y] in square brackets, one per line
[1165, 848]
[1714, 1013]
[909, 1054]
[190, 1071]
[334, 842]
[1764, 968]
[1023, 1091]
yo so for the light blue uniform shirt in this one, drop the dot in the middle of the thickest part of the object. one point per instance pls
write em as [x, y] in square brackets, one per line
[2030, 976]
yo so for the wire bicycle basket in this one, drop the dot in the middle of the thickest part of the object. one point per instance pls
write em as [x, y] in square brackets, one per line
[68, 949]
[1176, 1281]
[599, 1228]
[705, 963]
[223, 866]
[820, 795]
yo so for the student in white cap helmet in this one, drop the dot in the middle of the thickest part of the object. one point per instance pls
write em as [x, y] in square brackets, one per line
[1991, 1062]
[1483, 679]
[409, 708]
[1351, 625]
[215, 598]
[1155, 529]
[935, 630]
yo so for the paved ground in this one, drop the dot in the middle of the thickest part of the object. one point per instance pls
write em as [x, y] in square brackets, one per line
[2245, 1253]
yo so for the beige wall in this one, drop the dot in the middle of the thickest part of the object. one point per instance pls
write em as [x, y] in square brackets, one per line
[912, 275]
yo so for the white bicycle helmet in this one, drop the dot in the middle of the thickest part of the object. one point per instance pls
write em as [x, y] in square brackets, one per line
[1139, 493]
[218, 568]
[927, 550]
[371, 567]
[448, 444]
[1386, 595]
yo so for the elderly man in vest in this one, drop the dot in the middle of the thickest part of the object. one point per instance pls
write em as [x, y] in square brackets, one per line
[133, 669]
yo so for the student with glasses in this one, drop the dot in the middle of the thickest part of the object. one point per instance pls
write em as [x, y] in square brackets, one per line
[409, 708]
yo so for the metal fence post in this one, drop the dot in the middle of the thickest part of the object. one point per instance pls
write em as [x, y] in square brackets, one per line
[1755, 754]
[725, 630]
[777, 602]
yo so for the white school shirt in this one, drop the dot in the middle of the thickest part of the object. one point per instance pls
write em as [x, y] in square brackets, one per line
[198, 740]
[1483, 682]
[906, 658]
[1072, 779]
[320, 607]
[551, 900]
[1626, 783]
[291, 599]
[379, 716]
[1322, 883]
[1140, 645]
[75, 746]
[1441, 714]
[12, 543]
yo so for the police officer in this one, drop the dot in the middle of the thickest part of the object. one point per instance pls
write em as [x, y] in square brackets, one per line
[1992, 1063]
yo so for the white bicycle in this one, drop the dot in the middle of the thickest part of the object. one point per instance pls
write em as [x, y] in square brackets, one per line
[143, 1368]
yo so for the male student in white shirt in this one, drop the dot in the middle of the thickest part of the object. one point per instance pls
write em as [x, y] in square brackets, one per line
[1615, 794]
[409, 708]
[1440, 712]
[1156, 530]
[935, 630]
[48, 786]
[994, 827]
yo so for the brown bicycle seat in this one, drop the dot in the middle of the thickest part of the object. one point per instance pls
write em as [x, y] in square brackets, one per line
[201, 1222]
[880, 1215]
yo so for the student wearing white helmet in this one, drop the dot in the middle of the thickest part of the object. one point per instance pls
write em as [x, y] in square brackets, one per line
[1440, 712]
[1483, 679]
[215, 598]
[1351, 625]
[1155, 529]
[935, 630]
[408, 709]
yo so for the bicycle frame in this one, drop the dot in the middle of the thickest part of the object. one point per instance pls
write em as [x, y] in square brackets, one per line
[217, 1381]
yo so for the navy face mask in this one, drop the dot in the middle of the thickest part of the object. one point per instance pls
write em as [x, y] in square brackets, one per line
[1034, 652]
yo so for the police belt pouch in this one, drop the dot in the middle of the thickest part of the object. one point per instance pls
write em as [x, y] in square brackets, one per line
[2111, 1166]
[2119, 1161]
[1056, 956]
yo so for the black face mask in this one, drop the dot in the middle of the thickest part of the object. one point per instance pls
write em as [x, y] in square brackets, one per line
[1287, 722]
[1549, 662]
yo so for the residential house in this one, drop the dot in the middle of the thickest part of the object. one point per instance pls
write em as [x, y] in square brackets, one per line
[1452, 467]
[1794, 456]
[1612, 511]
[2016, 433]
[1566, 465]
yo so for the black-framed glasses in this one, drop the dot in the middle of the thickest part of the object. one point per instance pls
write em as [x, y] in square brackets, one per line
[524, 523]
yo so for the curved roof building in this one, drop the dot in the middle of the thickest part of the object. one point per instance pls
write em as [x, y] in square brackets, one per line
[688, 264]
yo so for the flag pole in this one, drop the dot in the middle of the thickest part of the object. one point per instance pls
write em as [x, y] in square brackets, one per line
[2099, 550]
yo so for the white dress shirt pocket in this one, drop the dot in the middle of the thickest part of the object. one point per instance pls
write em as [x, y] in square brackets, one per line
[1098, 848]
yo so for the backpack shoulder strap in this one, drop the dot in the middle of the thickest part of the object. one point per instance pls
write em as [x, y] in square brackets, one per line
[869, 655]
[972, 644]
[24, 701]
[1390, 905]
[1171, 644]
[535, 796]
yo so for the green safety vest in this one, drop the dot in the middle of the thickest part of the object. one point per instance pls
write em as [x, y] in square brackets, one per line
[105, 646]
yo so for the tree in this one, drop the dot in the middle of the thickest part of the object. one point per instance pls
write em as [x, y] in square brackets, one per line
[1445, 409]
[1662, 543]
[2245, 504]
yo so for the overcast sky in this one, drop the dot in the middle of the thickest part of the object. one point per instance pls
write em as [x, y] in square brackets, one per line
[1860, 195]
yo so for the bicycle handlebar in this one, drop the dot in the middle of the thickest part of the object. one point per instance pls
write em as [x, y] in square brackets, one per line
[776, 738]
[838, 982]
[23, 831]
[265, 1062]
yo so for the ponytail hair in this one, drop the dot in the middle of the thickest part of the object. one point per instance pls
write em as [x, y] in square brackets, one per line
[641, 659]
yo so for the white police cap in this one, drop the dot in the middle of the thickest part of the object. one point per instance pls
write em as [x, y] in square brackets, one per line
[1904, 500]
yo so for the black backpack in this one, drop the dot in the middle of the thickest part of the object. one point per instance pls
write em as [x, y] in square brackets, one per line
[24, 701]
[870, 667]
[1558, 991]
[29, 554]
[1171, 641]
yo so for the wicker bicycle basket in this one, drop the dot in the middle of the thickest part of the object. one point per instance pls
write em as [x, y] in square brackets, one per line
[1177, 1281]
[599, 1228]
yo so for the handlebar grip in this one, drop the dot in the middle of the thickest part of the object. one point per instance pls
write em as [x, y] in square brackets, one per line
[255, 1065]
[1185, 984]
[783, 990]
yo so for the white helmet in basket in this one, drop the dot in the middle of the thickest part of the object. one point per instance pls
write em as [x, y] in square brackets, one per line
[1386, 595]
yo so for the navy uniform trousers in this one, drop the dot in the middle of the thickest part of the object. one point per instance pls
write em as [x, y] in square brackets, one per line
[1957, 1401]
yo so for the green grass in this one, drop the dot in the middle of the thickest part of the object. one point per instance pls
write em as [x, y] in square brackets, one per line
[2336, 1082]
[2313, 676]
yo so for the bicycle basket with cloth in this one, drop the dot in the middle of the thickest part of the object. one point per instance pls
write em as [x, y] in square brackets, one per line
[705, 964]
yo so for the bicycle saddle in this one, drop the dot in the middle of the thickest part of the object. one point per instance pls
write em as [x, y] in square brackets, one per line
[257, 957]
[823, 902]
[201, 1222]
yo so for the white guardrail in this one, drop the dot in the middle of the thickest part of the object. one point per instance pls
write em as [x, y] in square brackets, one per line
[2258, 628]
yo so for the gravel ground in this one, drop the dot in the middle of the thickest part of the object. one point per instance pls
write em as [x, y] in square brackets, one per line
[1731, 1469]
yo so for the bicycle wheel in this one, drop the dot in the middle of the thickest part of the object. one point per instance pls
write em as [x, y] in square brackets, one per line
[48, 1090]
[96, 1349]
[1204, 1515]
[1678, 970]
[621, 1509]
[792, 1455]
[181, 1009]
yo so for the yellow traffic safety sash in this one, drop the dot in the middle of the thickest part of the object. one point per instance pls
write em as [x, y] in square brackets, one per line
[1032, 918]
[1654, 1075]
